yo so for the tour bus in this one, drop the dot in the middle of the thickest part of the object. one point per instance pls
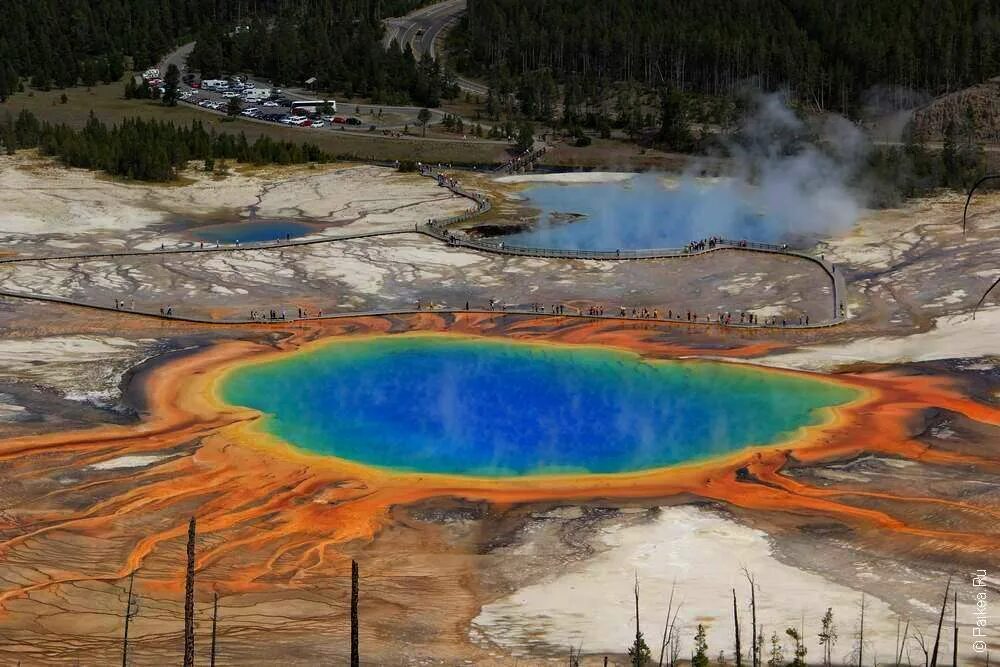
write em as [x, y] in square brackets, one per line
[312, 106]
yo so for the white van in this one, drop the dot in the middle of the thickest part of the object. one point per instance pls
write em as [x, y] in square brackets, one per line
[256, 94]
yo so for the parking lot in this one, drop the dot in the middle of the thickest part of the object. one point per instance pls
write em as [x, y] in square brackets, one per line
[274, 105]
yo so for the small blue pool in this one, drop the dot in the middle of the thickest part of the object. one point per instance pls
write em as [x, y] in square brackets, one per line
[252, 231]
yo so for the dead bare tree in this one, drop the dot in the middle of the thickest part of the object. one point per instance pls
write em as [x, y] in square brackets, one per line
[668, 625]
[954, 642]
[922, 643]
[736, 625]
[189, 598]
[937, 637]
[861, 632]
[131, 611]
[754, 645]
[901, 646]
[215, 624]
[355, 651]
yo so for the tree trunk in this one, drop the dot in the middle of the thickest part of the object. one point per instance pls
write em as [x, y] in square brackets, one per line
[736, 624]
[215, 624]
[128, 617]
[355, 653]
[861, 633]
[954, 643]
[937, 637]
[189, 599]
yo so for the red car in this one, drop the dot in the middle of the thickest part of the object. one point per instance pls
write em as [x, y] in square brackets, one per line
[339, 119]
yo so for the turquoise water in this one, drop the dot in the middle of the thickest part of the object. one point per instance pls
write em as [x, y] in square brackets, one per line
[484, 407]
[642, 213]
[253, 231]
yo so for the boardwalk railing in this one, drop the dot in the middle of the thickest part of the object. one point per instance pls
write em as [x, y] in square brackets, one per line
[439, 229]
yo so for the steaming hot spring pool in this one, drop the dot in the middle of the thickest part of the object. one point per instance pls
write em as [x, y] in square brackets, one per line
[464, 406]
[645, 212]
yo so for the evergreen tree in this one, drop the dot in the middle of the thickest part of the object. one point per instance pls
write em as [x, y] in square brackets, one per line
[147, 149]
[828, 636]
[674, 130]
[525, 136]
[234, 107]
[799, 650]
[826, 54]
[777, 656]
[171, 81]
[700, 657]
[424, 117]
[639, 654]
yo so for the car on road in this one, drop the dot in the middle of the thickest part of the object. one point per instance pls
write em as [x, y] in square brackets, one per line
[317, 123]
[353, 121]
[340, 119]
[230, 94]
[271, 103]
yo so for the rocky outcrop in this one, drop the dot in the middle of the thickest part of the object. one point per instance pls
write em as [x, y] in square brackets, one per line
[982, 100]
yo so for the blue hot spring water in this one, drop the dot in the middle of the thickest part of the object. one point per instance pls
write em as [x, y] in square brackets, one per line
[465, 406]
[642, 213]
[252, 231]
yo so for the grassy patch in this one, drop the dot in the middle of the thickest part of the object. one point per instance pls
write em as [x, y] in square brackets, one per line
[109, 105]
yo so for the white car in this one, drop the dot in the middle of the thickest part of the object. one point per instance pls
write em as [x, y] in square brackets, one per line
[318, 123]
[271, 103]
[230, 94]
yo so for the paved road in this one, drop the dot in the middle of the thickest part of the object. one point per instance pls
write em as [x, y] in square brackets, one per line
[421, 29]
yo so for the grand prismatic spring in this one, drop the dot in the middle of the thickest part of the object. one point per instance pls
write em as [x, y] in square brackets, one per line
[502, 473]
[493, 408]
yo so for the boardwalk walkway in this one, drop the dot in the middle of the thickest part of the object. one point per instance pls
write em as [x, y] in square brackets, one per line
[439, 229]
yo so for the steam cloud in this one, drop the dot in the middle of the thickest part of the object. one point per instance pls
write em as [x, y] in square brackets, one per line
[780, 186]
[783, 172]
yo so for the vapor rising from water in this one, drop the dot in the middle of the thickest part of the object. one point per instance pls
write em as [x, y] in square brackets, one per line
[782, 183]
[780, 168]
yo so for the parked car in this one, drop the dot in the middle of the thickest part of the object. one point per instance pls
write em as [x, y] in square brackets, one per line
[230, 94]
[317, 123]
[339, 119]
[353, 121]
